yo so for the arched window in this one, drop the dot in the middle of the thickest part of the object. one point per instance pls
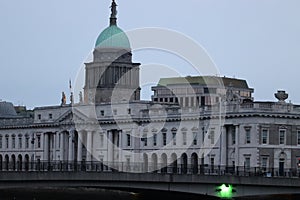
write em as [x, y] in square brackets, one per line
[20, 141]
[27, 141]
[7, 141]
[13, 141]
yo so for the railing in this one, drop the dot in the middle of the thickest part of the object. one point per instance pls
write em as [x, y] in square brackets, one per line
[116, 167]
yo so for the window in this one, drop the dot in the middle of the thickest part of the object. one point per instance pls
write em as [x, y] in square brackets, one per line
[13, 142]
[281, 136]
[154, 139]
[115, 112]
[195, 138]
[38, 141]
[59, 138]
[7, 141]
[203, 134]
[102, 113]
[184, 138]
[174, 138]
[206, 90]
[129, 111]
[247, 163]
[248, 136]
[20, 142]
[0, 141]
[212, 137]
[233, 136]
[50, 116]
[298, 137]
[128, 140]
[264, 136]
[145, 140]
[164, 135]
[26, 141]
[264, 163]
[212, 163]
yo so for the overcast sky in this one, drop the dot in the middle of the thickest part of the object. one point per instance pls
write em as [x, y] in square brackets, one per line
[44, 43]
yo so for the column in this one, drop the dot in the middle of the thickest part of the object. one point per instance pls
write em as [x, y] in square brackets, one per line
[110, 150]
[61, 149]
[89, 146]
[237, 143]
[79, 151]
[46, 147]
[54, 138]
[70, 151]
[223, 143]
[120, 149]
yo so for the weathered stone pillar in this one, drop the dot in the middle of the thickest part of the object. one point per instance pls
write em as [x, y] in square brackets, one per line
[120, 149]
[70, 151]
[79, 150]
[223, 146]
[46, 147]
[237, 143]
[61, 149]
[54, 145]
[110, 147]
[89, 146]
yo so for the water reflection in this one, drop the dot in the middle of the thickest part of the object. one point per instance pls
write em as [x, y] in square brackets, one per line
[90, 194]
[97, 194]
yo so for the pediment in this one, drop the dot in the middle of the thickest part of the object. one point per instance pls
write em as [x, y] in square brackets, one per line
[72, 116]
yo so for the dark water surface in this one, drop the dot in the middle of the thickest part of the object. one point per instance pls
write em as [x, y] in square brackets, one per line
[102, 194]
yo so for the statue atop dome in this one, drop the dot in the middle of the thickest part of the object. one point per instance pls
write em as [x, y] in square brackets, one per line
[114, 12]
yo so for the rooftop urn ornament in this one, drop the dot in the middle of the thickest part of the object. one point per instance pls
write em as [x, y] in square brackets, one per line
[281, 95]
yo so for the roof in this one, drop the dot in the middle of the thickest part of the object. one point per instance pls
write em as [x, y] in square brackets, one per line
[204, 80]
[7, 109]
[114, 37]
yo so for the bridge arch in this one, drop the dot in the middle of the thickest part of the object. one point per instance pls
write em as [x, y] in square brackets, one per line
[26, 162]
[6, 162]
[145, 163]
[164, 163]
[19, 163]
[194, 161]
[174, 164]
[154, 162]
[13, 162]
[184, 163]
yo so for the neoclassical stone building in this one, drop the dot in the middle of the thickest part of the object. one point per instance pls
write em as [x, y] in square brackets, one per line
[190, 123]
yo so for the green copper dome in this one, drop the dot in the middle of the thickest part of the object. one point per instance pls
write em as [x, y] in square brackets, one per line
[113, 37]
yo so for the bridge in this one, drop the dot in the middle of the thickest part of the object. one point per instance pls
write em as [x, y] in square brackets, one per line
[244, 184]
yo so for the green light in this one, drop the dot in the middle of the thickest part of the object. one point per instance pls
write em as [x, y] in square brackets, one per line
[225, 191]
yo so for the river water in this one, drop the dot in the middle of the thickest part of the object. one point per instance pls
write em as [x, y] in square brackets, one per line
[101, 194]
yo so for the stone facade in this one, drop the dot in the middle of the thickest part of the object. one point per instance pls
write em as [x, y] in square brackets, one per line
[192, 121]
